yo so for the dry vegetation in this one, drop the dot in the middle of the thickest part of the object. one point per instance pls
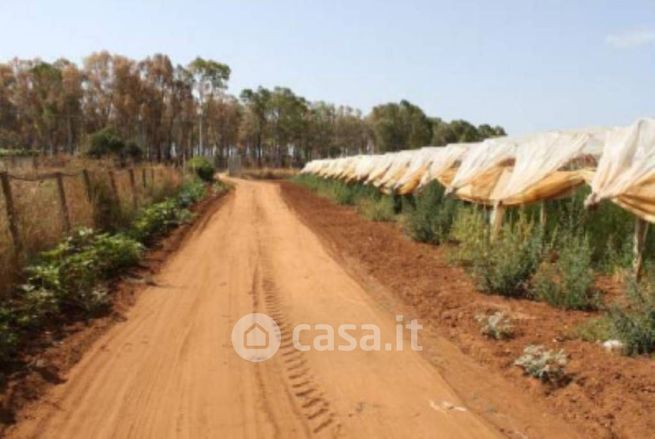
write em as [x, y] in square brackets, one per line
[269, 173]
[39, 212]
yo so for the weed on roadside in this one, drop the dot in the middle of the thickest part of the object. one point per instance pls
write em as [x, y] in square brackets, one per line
[381, 209]
[546, 365]
[569, 281]
[498, 325]
[431, 216]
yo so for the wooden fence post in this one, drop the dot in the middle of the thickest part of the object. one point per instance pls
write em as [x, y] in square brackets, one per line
[89, 195]
[143, 177]
[87, 185]
[11, 217]
[641, 229]
[114, 188]
[497, 216]
[63, 203]
[135, 199]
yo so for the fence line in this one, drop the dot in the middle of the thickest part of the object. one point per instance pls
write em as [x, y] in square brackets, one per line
[31, 221]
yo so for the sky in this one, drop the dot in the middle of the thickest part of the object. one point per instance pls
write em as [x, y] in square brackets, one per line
[526, 65]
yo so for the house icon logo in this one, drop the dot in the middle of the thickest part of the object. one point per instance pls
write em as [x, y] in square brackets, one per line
[256, 337]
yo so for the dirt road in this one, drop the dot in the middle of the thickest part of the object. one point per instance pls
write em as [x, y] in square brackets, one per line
[169, 370]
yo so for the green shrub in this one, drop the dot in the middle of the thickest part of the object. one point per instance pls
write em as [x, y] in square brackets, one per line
[381, 209]
[543, 364]
[220, 187]
[69, 273]
[67, 277]
[114, 252]
[36, 305]
[108, 213]
[344, 194]
[366, 197]
[432, 216]
[598, 329]
[105, 142]
[633, 323]
[308, 181]
[608, 227]
[569, 282]
[471, 233]
[502, 265]
[157, 219]
[497, 325]
[70, 280]
[191, 192]
[202, 167]
[92, 301]
[9, 336]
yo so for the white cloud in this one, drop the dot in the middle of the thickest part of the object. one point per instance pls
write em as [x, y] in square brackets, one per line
[632, 38]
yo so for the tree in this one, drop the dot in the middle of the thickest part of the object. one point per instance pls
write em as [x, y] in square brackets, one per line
[224, 115]
[174, 112]
[157, 76]
[9, 125]
[399, 126]
[461, 131]
[70, 102]
[286, 118]
[255, 127]
[351, 134]
[209, 78]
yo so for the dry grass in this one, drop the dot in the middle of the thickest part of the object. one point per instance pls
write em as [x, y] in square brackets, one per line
[79, 206]
[270, 173]
[39, 212]
[5, 246]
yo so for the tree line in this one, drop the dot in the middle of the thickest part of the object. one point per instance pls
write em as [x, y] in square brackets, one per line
[161, 111]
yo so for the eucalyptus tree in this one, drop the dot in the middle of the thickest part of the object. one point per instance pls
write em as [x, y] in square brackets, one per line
[254, 126]
[37, 98]
[9, 124]
[99, 89]
[179, 111]
[319, 133]
[224, 113]
[209, 78]
[157, 114]
[399, 126]
[70, 102]
[286, 111]
[351, 133]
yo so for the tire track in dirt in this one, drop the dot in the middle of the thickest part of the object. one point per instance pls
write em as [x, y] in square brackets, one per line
[301, 384]
[170, 371]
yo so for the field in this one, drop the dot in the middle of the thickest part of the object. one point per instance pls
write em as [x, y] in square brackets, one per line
[386, 220]
[423, 277]
[280, 249]
[42, 219]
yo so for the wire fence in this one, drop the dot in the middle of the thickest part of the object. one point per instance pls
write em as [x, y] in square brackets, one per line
[37, 211]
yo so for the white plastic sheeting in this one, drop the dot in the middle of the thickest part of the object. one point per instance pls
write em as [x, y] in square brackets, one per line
[398, 166]
[626, 171]
[380, 167]
[628, 159]
[541, 156]
[444, 160]
[481, 158]
[418, 165]
[364, 167]
[619, 163]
